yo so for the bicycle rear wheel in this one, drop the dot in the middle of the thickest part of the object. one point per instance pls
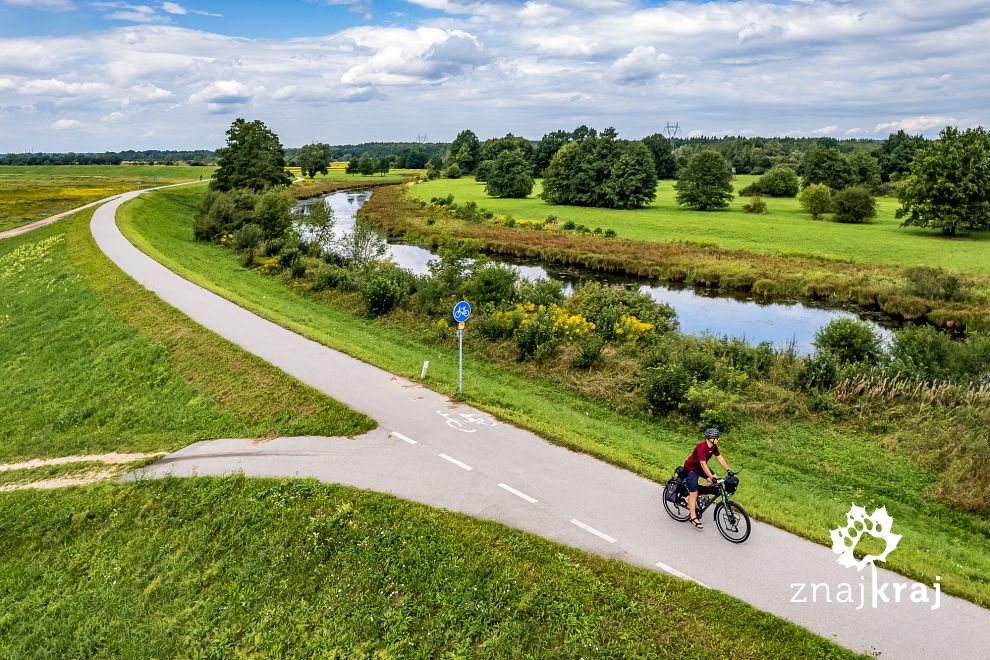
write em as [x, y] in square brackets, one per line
[732, 522]
[678, 510]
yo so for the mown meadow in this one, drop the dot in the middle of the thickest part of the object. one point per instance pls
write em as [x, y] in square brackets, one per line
[33, 192]
[785, 229]
[805, 457]
[236, 567]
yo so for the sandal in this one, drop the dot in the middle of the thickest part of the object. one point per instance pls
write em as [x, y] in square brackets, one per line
[697, 523]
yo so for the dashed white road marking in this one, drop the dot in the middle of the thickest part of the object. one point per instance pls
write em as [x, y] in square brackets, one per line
[517, 493]
[676, 573]
[403, 437]
[589, 528]
[456, 462]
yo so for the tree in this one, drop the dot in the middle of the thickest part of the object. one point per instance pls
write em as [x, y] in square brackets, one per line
[484, 170]
[780, 181]
[490, 149]
[600, 171]
[864, 170]
[816, 199]
[825, 165]
[949, 186]
[452, 171]
[366, 165]
[663, 155]
[253, 158]
[853, 205]
[353, 167]
[547, 148]
[632, 180]
[273, 213]
[383, 165]
[705, 183]
[510, 176]
[314, 159]
[413, 159]
[465, 151]
[897, 152]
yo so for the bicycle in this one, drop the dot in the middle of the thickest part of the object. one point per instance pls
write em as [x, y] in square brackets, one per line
[731, 519]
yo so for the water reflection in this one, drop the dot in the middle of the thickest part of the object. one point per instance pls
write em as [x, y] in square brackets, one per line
[781, 324]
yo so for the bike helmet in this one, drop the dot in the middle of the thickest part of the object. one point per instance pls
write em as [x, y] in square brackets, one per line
[712, 433]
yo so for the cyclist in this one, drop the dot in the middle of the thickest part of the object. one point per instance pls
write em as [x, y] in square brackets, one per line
[696, 467]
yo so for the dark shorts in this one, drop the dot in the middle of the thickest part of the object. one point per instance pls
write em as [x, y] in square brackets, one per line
[691, 479]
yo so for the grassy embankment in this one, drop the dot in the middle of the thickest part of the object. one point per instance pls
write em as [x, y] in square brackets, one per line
[90, 362]
[235, 567]
[800, 476]
[781, 254]
[33, 192]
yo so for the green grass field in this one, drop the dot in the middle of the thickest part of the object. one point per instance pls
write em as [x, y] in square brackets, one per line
[799, 476]
[33, 192]
[90, 362]
[221, 568]
[785, 228]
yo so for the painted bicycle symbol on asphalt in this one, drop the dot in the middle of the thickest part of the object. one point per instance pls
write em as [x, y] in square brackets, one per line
[462, 421]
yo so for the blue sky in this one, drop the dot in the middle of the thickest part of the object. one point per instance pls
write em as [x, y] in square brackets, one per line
[93, 75]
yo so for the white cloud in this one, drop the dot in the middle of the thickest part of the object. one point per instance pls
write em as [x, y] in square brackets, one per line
[425, 55]
[221, 93]
[65, 124]
[59, 88]
[826, 130]
[113, 118]
[640, 65]
[174, 8]
[914, 124]
[55, 5]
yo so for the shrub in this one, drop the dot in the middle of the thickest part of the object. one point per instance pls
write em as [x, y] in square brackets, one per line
[383, 291]
[332, 277]
[536, 332]
[609, 233]
[491, 283]
[709, 406]
[850, 341]
[816, 199]
[753, 360]
[853, 205]
[589, 351]
[605, 305]
[223, 212]
[756, 205]
[935, 283]
[273, 246]
[780, 181]
[273, 213]
[820, 371]
[297, 268]
[542, 291]
[664, 387]
[248, 237]
[452, 172]
[568, 225]
[921, 352]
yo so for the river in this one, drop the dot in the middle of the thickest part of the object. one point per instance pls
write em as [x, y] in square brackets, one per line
[698, 311]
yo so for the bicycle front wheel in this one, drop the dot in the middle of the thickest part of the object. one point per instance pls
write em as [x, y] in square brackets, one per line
[732, 522]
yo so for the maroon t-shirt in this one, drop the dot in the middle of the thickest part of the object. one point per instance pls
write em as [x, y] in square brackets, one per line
[700, 455]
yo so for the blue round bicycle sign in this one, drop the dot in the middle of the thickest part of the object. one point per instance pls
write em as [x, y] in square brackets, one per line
[462, 311]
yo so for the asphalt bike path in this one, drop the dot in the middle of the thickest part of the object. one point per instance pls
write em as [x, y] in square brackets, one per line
[37, 224]
[430, 449]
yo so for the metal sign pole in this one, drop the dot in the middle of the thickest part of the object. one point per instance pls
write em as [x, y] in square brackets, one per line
[462, 311]
[460, 361]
